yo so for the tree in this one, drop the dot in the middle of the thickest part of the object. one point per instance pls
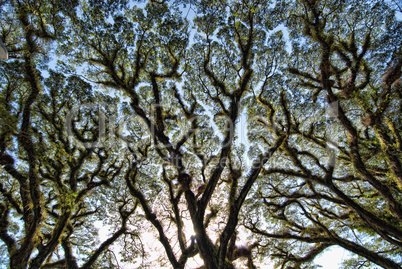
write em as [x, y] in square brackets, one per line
[168, 159]
[352, 198]
[48, 184]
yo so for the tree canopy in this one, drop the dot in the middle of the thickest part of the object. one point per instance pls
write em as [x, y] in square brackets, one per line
[200, 134]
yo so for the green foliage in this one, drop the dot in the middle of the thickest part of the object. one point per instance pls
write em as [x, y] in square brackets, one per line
[235, 134]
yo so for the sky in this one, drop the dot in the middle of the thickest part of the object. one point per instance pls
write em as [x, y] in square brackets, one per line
[331, 259]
